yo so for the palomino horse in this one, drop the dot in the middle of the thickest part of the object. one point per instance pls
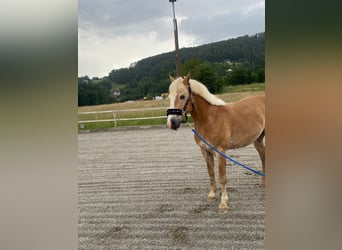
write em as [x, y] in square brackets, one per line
[225, 126]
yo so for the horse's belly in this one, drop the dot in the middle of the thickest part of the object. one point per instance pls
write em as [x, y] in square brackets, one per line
[239, 142]
[233, 145]
[243, 135]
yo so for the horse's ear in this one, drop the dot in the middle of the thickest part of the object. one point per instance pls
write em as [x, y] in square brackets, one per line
[187, 79]
[171, 78]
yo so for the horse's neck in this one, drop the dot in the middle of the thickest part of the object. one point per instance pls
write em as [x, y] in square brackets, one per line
[201, 110]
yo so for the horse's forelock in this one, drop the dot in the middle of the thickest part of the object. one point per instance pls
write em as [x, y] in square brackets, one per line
[176, 85]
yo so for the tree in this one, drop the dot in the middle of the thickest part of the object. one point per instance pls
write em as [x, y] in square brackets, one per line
[207, 75]
[90, 93]
[105, 82]
[207, 63]
[238, 76]
[190, 65]
[202, 72]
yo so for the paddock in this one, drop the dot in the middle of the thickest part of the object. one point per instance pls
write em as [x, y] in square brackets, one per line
[138, 190]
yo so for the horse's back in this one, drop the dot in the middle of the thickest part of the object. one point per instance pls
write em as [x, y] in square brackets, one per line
[252, 105]
[246, 120]
[259, 99]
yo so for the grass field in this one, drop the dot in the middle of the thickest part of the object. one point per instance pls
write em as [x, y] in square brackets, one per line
[128, 110]
[243, 88]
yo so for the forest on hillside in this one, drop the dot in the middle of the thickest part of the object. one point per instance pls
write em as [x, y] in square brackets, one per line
[235, 61]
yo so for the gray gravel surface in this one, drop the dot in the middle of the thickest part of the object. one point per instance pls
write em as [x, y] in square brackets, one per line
[147, 189]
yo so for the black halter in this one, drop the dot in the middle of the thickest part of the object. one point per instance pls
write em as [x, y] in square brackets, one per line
[181, 111]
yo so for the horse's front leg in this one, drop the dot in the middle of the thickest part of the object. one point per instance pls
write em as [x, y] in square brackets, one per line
[209, 158]
[223, 208]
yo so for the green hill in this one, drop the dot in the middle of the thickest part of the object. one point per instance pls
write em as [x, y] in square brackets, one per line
[235, 61]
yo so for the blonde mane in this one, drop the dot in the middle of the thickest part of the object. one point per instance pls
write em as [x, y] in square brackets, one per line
[197, 88]
[201, 90]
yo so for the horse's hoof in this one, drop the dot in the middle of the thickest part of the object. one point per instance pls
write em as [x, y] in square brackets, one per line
[223, 210]
[211, 199]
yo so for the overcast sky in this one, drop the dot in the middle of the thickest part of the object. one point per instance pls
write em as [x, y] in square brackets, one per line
[115, 33]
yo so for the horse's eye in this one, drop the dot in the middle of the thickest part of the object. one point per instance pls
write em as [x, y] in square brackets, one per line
[182, 97]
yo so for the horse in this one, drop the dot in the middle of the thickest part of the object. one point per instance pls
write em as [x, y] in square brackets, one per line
[224, 126]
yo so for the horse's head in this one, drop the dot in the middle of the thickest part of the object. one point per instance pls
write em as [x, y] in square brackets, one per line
[179, 95]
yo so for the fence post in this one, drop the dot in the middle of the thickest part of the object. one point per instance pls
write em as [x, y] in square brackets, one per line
[114, 116]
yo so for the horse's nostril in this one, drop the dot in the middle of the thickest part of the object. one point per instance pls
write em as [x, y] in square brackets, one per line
[175, 123]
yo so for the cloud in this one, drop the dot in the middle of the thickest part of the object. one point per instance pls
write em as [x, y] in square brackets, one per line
[232, 19]
[121, 17]
[210, 29]
[101, 55]
[116, 33]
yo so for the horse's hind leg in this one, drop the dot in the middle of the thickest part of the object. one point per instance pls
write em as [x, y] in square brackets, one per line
[209, 158]
[260, 147]
[223, 208]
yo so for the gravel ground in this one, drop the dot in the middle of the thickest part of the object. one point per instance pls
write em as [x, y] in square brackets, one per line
[147, 189]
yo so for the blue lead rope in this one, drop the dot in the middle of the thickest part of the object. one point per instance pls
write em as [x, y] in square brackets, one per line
[226, 156]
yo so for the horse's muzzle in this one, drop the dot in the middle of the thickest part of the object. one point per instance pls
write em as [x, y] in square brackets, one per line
[175, 123]
[174, 120]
